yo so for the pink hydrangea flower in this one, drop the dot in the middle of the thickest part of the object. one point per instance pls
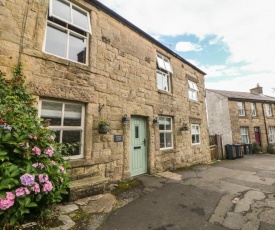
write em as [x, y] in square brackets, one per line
[49, 152]
[47, 187]
[38, 165]
[53, 162]
[20, 191]
[10, 196]
[43, 179]
[6, 203]
[36, 150]
[62, 170]
[27, 179]
[27, 191]
[36, 188]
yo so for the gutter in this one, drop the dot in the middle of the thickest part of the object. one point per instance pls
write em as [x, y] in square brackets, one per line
[125, 22]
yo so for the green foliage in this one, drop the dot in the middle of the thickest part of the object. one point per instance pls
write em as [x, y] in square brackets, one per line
[32, 170]
[270, 149]
[255, 148]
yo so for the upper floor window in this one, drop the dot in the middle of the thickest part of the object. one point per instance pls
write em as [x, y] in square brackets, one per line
[67, 31]
[164, 73]
[193, 90]
[241, 109]
[268, 109]
[67, 119]
[195, 132]
[253, 109]
[244, 135]
[166, 132]
[271, 134]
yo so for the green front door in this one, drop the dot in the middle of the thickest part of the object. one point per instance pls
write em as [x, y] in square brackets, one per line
[138, 156]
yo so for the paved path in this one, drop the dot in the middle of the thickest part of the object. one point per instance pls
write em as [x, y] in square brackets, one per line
[237, 194]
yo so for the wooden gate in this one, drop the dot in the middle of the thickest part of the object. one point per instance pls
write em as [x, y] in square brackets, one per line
[215, 142]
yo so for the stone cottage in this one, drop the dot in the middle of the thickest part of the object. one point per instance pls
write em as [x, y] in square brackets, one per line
[241, 117]
[85, 64]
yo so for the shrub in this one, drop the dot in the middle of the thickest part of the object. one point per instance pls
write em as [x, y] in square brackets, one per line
[32, 170]
[270, 149]
[255, 148]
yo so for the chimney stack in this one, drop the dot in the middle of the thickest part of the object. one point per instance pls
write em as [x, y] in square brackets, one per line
[257, 90]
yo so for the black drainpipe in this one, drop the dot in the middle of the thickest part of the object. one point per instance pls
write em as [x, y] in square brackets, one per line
[265, 124]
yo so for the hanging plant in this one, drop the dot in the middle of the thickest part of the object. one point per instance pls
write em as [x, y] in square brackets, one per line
[104, 126]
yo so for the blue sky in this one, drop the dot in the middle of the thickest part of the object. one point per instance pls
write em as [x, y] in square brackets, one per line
[231, 40]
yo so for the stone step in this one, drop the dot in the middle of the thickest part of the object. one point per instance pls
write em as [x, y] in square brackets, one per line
[87, 187]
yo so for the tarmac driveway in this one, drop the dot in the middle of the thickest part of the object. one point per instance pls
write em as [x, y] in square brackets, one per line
[236, 194]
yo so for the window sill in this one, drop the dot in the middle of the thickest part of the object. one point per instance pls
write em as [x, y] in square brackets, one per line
[50, 57]
[196, 144]
[170, 150]
[165, 92]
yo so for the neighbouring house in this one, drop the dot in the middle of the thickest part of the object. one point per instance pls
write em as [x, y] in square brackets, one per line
[241, 117]
[85, 64]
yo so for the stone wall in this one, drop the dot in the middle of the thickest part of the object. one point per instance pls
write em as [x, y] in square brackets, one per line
[249, 121]
[120, 78]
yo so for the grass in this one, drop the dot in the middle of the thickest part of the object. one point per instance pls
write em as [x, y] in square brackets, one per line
[125, 186]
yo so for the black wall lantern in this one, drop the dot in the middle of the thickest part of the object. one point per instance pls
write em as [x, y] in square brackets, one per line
[125, 119]
[155, 121]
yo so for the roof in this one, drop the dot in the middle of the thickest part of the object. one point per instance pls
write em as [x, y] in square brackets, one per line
[233, 95]
[119, 18]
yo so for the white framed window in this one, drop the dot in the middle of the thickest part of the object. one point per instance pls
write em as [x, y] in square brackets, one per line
[241, 109]
[244, 135]
[67, 119]
[195, 133]
[253, 110]
[164, 63]
[163, 81]
[271, 134]
[67, 31]
[268, 109]
[193, 90]
[166, 132]
[164, 73]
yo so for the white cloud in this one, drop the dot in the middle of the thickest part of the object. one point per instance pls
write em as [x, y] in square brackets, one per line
[243, 84]
[187, 46]
[247, 29]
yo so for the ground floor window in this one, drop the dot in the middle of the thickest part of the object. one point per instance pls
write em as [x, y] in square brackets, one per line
[271, 134]
[244, 135]
[166, 132]
[67, 119]
[195, 132]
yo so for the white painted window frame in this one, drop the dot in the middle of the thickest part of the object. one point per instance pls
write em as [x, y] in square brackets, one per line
[244, 134]
[196, 134]
[164, 63]
[66, 128]
[169, 80]
[51, 14]
[68, 31]
[193, 90]
[167, 131]
[268, 108]
[253, 109]
[271, 134]
[241, 109]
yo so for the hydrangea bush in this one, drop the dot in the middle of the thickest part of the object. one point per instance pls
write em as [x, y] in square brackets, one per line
[32, 171]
